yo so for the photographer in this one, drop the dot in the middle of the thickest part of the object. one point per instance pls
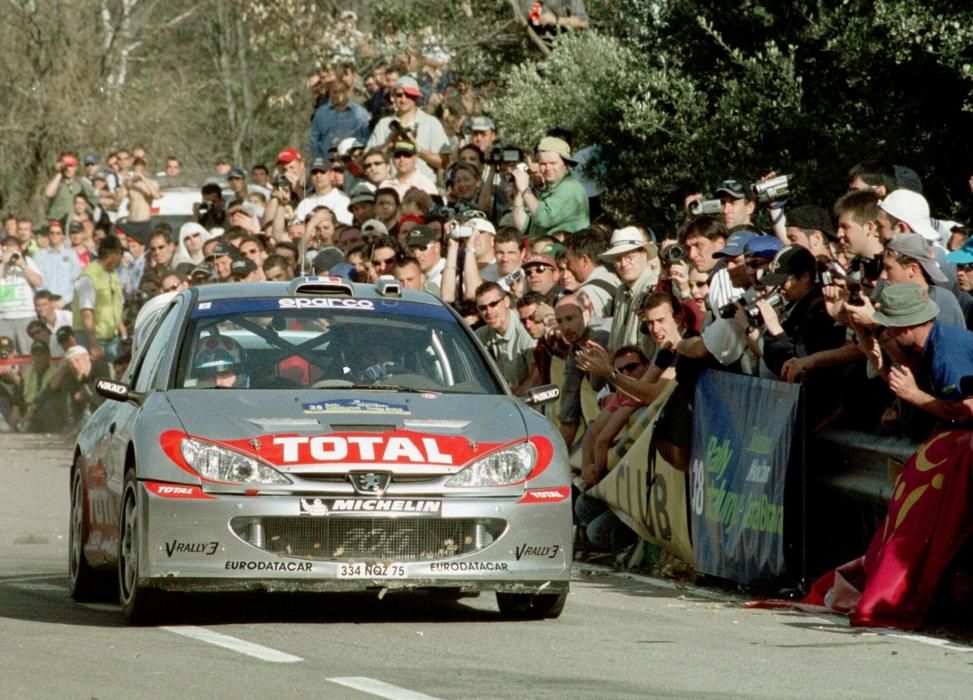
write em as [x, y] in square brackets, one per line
[498, 189]
[210, 213]
[64, 185]
[475, 240]
[561, 203]
[425, 132]
[140, 190]
[804, 328]
[19, 277]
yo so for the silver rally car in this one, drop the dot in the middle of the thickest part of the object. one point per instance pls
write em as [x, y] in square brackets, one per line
[321, 436]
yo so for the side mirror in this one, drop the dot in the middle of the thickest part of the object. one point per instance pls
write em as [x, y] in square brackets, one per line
[116, 391]
[540, 395]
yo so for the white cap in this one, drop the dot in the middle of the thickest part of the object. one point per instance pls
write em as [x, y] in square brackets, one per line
[912, 208]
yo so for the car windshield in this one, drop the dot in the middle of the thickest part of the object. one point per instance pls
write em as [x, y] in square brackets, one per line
[328, 343]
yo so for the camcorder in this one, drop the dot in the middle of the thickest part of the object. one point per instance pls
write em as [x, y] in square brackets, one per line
[510, 280]
[771, 190]
[396, 127]
[461, 232]
[673, 254]
[752, 312]
[709, 207]
[501, 154]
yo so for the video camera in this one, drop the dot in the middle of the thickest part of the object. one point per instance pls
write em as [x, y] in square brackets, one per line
[500, 154]
[710, 207]
[771, 190]
[396, 127]
[754, 317]
[673, 254]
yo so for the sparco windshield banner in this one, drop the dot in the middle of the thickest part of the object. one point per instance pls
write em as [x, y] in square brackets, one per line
[742, 429]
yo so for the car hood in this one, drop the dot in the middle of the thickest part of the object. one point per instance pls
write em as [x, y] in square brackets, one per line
[293, 428]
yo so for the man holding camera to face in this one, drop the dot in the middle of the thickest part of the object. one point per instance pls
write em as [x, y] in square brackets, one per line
[64, 186]
[19, 277]
[410, 124]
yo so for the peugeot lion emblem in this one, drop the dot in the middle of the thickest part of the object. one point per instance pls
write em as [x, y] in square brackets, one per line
[370, 483]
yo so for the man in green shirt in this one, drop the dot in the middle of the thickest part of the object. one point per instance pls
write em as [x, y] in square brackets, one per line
[561, 204]
[64, 186]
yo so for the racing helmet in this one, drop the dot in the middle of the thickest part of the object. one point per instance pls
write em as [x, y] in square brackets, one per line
[217, 354]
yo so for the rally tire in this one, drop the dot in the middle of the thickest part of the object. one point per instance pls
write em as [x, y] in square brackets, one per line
[85, 584]
[139, 604]
[528, 606]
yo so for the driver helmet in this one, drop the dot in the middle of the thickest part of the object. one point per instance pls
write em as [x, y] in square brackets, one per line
[217, 354]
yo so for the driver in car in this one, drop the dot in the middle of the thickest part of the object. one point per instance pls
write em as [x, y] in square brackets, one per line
[220, 362]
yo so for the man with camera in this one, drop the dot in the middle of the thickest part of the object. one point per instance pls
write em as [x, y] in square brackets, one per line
[64, 186]
[560, 203]
[19, 277]
[429, 141]
[140, 190]
[473, 238]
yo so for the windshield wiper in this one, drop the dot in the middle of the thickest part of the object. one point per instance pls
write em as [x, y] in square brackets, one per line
[389, 387]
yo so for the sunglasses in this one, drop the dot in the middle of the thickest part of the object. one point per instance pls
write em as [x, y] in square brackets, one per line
[964, 267]
[375, 164]
[400, 93]
[403, 154]
[534, 270]
[383, 263]
[489, 305]
[420, 247]
[171, 288]
[630, 367]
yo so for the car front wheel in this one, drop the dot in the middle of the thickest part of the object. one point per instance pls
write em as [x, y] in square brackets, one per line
[138, 603]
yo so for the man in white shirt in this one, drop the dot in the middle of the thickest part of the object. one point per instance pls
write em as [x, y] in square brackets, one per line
[325, 194]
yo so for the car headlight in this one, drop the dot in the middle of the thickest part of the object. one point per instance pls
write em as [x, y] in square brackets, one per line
[500, 468]
[221, 464]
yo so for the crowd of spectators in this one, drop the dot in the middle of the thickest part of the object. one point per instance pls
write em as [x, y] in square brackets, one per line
[866, 300]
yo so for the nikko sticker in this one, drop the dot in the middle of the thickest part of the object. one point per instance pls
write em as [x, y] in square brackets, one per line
[357, 406]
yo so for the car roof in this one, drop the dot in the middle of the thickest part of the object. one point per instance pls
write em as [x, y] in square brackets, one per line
[265, 290]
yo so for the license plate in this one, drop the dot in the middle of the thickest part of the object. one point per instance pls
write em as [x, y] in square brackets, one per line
[363, 570]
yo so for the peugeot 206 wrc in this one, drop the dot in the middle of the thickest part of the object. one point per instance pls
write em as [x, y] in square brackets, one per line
[317, 435]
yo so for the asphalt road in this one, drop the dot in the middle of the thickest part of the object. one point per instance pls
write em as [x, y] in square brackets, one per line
[620, 636]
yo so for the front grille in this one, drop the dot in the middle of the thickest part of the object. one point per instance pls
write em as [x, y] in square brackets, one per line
[356, 539]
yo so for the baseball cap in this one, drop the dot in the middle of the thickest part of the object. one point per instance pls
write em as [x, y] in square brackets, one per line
[913, 247]
[241, 267]
[40, 346]
[288, 155]
[539, 259]
[736, 244]
[421, 236]
[91, 159]
[404, 147]
[347, 145]
[69, 160]
[482, 225]
[790, 260]
[220, 249]
[36, 325]
[408, 85]
[552, 144]
[625, 240]
[64, 332]
[327, 258]
[374, 226]
[732, 188]
[963, 255]
[223, 158]
[765, 247]
[904, 304]
[320, 164]
[362, 193]
[238, 173]
[75, 351]
[410, 217]
[482, 124]
[912, 208]
[811, 218]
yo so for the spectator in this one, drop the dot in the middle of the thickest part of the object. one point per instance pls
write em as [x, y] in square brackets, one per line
[463, 182]
[324, 194]
[577, 326]
[381, 258]
[376, 167]
[429, 142]
[75, 380]
[48, 313]
[629, 252]
[361, 203]
[407, 174]
[210, 213]
[908, 258]
[277, 269]
[541, 277]
[562, 203]
[97, 304]
[141, 191]
[336, 120]
[62, 188]
[192, 236]
[237, 180]
[223, 164]
[19, 277]
[161, 249]
[583, 252]
[875, 175]
[504, 336]
[59, 265]
[387, 208]
[550, 17]
[37, 411]
[410, 275]
[810, 226]
[703, 236]
[737, 204]
[423, 244]
[935, 357]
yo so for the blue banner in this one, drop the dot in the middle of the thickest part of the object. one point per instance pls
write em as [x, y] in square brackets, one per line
[742, 428]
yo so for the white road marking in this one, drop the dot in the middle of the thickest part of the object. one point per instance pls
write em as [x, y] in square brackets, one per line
[38, 587]
[4, 582]
[382, 690]
[932, 641]
[232, 643]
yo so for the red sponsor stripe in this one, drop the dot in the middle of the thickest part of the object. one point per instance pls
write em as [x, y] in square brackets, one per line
[554, 494]
[164, 490]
